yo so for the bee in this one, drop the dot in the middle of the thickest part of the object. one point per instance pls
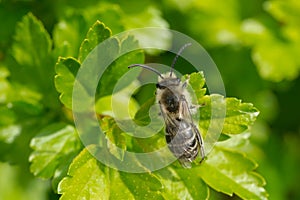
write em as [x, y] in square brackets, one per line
[182, 135]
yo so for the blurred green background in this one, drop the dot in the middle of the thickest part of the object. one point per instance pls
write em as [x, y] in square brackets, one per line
[255, 44]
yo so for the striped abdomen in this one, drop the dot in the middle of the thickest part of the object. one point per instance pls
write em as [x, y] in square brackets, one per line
[183, 142]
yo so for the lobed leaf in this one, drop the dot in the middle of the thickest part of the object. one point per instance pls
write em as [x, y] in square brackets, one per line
[119, 66]
[32, 51]
[89, 179]
[197, 82]
[278, 64]
[55, 145]
[149, 17]
[85, 179]
[181, 183]
[96, 34]
[142, 186]
[231, 172]
[115, 137]
[66, 70]
[68, 34]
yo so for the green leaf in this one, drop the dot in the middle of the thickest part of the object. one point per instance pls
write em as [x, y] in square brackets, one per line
[109, 13]
[115, 137]
[85, 179]
[280, 9]
[231, 172]
[34, 67]
[96, 34]
[32, 51]
[279, 63]
[261, 32]
[119, 67]
[239, 116]
[120, 105]
[68, 34]
[142, 186]
[149, 17]
[89, 179]
[5, 86]
[179, 183]
[197, 82]
[25, 102]
[9, 133]
[221, 26]
[8, 129]
[55, 144]
[66, 70]
[142, 115]
[119, 189]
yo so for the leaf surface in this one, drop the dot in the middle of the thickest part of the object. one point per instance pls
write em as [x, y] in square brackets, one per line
[54, 145]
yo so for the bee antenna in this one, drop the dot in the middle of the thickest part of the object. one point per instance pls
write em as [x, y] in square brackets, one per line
[177, 55]
[147, 67]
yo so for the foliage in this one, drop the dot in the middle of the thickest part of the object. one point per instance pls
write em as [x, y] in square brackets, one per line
[255, 44]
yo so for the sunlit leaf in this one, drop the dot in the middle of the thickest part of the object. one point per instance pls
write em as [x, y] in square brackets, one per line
[231, 172]
[181, 183]
[54, 145]
[116, 141]
[119, 67]
[66, 70]
[85, 179]
[89, 179]
[96, 34]
[144, 185]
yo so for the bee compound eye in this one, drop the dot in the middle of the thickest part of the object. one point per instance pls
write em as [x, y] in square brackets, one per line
[159, 86]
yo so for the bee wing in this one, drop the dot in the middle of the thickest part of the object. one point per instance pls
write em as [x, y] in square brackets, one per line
[184, 110]
[170, 122]
[186, 113]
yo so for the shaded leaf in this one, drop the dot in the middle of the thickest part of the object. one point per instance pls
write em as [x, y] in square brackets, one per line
[32, 51]
[150, 17]
[68, 34]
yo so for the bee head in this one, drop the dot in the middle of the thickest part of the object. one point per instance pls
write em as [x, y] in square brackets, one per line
[168, 82]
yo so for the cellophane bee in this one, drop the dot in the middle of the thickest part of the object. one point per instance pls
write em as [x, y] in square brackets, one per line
[182, 135]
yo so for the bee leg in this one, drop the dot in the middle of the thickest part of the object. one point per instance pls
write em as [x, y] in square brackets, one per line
[194, 108]
[201, 143]
[185, 83]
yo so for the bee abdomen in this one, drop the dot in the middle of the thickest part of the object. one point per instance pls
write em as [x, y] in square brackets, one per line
[183, 142]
